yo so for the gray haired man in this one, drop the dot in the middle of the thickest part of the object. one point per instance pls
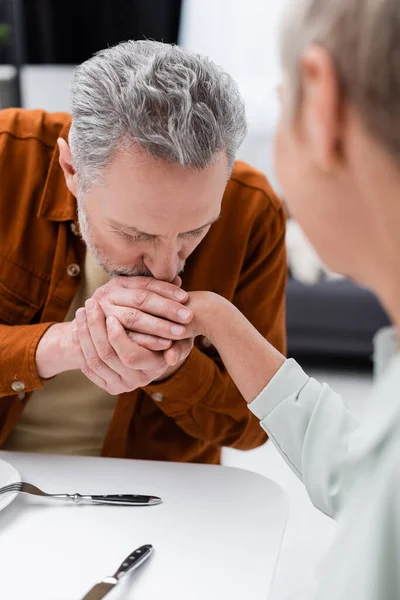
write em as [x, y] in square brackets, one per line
[94, 352]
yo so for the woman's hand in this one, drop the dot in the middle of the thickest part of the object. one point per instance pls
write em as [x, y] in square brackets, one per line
[202, 305]
[249, 358]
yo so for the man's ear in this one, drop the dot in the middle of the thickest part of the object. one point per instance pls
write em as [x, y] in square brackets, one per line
[65, 160]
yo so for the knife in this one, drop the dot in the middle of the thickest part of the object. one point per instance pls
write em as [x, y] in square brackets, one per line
[132, 562]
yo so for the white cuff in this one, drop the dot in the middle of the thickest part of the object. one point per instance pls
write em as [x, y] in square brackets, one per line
[289, 380]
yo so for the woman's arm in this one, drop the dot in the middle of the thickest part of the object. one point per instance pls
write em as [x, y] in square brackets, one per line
[306, 420]
[249, 358]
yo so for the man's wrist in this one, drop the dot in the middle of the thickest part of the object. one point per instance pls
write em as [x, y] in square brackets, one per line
[55, 352]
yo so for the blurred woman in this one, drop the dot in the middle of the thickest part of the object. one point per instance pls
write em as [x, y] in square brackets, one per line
[338, 160]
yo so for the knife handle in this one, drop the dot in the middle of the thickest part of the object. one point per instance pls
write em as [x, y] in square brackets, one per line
[134, 560]
[126, 499]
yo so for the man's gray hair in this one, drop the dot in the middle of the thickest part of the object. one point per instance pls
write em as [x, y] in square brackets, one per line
[176, 105]
[363, 38]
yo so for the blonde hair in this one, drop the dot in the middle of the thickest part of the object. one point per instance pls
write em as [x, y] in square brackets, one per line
[363, 38]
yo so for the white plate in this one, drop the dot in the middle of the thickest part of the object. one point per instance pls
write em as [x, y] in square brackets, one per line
[8, 474]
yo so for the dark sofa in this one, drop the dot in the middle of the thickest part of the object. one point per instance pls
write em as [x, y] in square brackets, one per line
[332, 318]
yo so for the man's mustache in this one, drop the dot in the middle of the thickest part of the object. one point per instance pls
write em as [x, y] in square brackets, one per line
[134, 272]
[137, 272]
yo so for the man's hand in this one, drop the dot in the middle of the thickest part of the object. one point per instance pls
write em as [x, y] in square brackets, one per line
[141, 301]
[202, 305]
[146, 306]
[177, 357]
[153, 313]
[113, 361]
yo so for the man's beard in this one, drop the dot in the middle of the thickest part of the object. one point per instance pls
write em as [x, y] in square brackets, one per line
[109, 267]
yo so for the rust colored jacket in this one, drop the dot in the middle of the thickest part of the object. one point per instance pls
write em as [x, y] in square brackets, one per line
[242, 258]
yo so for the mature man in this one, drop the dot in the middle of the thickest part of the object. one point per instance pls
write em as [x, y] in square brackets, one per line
[144, 173]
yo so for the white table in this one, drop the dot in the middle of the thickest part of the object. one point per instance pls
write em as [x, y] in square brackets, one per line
[217, 535]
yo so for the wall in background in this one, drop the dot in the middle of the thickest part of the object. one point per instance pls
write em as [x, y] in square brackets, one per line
[242, 37]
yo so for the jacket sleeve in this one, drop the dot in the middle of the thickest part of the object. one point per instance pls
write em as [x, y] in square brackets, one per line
[312, 429]
[201, 397]
[18, 345]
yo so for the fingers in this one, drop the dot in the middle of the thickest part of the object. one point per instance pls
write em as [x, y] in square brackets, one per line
[98, 331]
[141, 322]
[161, 288]
[147, 302]
[129, 352]
[149, 341]
[96, 369]
[106, 352]
[113, 361]
[178, 352]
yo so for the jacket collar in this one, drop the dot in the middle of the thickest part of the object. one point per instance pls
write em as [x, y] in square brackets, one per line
[57, 202]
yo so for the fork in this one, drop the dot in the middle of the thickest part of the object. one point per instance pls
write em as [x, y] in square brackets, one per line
[116, 499]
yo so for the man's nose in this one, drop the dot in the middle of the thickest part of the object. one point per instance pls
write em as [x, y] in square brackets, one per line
[163, 265]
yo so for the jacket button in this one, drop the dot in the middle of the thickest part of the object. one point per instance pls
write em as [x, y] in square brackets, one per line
[74, 228]
[18, 387]
[73, 270]
[157, 397]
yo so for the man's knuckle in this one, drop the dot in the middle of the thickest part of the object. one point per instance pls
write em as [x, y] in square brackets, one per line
[87, 371]
[101, 292]
[131, 318]
[121, 281]
[106, 353]
[145, 377]
[94, 363]
[146, 281]
[129, 359]
[140, 297]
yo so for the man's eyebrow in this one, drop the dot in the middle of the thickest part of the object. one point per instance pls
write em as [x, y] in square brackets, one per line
[154, 235]
[129, 228]
[203, 226]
